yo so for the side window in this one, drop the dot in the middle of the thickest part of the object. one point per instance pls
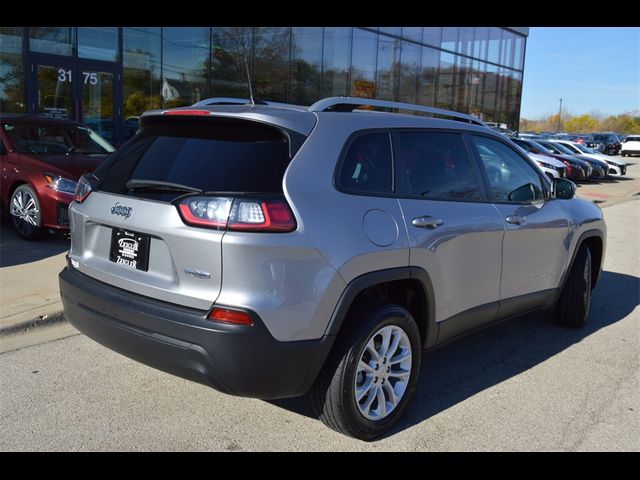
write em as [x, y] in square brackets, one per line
[511, 178]
[367, 166]
[435, 165]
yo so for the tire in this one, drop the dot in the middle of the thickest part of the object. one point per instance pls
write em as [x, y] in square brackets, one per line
[25, 213]
[333, 396]
[572, 309]
[624, 154]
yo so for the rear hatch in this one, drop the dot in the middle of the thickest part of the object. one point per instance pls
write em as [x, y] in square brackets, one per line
[129, 232]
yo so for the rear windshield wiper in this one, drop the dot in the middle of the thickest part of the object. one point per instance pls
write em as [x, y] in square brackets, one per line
[158, 185]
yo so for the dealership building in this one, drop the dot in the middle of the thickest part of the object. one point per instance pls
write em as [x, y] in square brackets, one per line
[106, 77]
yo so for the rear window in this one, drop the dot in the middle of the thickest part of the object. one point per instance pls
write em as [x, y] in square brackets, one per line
[221, 157]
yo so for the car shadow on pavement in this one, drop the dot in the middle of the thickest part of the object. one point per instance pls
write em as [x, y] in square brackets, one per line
[461, 369]
[15, 251]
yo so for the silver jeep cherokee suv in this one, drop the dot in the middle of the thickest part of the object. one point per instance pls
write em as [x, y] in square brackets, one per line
[271, 250]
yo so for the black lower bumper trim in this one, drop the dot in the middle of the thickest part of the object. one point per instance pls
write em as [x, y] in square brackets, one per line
[234, 359]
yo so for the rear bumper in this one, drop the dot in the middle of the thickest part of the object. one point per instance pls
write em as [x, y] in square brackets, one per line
[238, 360]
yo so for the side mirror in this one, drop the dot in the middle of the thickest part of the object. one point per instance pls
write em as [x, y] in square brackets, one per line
[563, 189]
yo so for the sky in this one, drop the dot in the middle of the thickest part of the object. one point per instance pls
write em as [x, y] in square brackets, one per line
[593, 70]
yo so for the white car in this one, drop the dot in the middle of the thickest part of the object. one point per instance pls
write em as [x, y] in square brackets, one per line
[630, 146]
[616, 166]
[550, 166]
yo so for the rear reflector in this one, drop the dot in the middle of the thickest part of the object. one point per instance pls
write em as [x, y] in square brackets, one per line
[230, 316]
[187, 112]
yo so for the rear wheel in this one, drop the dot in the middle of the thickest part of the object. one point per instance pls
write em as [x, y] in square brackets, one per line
[26, 216]
[369, 379]
[573, 307]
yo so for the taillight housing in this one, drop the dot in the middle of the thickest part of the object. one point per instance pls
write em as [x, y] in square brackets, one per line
[240, 214]
[85, 186]
[234, 317]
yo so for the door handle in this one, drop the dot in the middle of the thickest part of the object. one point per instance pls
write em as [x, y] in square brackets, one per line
[426, 221]
[515, 219]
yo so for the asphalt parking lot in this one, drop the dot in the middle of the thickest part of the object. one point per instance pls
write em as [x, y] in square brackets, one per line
[523, 385]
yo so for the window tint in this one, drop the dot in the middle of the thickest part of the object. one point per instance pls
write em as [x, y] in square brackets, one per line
[506, 170]
[228, 157]
[435, 165]
[366, 166]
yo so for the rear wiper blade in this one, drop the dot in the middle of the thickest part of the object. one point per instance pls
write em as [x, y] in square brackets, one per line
[158, 185]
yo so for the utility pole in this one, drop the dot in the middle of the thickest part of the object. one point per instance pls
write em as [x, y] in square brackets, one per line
[559, 115]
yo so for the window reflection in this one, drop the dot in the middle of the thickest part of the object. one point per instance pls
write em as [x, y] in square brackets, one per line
[432, 35]
[495, 38]
[409, 72]
[185, 65]
[412, 33]
[98, 43]
[271, 63]
[57, 40]
[388, 68]
[490, 92]
[445, 81]
[306, 57]
[336, 61]
[12, 81]
[230, 47]
[428, 75]
[449, 38]
[141, 80]
[363, 63]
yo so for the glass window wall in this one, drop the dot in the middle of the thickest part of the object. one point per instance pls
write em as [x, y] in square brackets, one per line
[56, 40]
[12, 80]
[141, 74]
[306, 60]
[98, 43]
[336, 60]
[230, 46]
[363, 63]
[185, 65]
[271, 63]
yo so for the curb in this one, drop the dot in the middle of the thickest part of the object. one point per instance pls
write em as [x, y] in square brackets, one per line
[40, 321]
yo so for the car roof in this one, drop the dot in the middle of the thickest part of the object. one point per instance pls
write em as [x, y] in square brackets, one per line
[302, 120]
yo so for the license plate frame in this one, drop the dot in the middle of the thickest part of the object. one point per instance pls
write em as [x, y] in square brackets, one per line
[130, 249]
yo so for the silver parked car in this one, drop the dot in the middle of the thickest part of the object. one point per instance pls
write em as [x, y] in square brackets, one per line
[274, 250]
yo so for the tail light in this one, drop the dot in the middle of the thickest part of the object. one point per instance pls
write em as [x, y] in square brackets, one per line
[240, 214]
[85, 186]
[235, 317]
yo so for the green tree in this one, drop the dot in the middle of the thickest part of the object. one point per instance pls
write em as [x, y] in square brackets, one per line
[581, 124]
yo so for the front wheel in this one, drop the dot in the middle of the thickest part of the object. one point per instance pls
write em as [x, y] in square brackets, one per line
[572, 309]
[26, 215]
[369, 379]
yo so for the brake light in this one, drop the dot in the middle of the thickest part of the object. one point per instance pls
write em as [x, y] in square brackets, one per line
[235, 317]
[239, 214]
[187, 112]
[84, 187]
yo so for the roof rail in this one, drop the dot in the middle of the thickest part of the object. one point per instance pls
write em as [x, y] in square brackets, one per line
[348, 104]
[225, 101]
[244, 101]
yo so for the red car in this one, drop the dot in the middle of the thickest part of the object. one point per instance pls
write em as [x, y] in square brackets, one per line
[41, 159]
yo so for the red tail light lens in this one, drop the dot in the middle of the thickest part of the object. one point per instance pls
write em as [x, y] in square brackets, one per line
[239, 214]
[235, 317]
[84, 187]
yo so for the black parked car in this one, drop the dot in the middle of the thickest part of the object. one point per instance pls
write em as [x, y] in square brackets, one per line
[605, 142]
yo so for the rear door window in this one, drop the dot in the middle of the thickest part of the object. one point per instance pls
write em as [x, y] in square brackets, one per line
[435, 165]
[220, 157]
